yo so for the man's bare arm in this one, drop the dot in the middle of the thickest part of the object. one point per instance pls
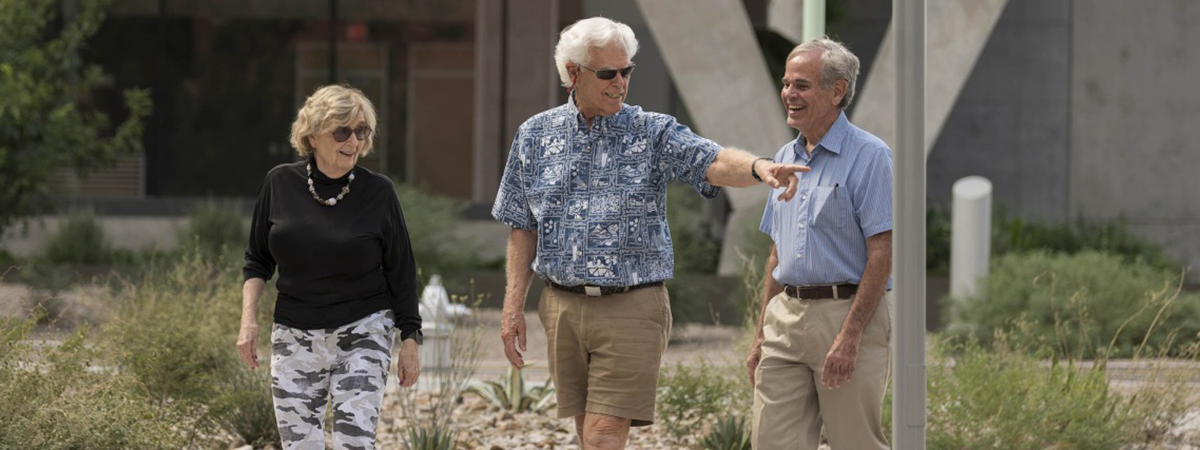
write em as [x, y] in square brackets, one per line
[522, 246]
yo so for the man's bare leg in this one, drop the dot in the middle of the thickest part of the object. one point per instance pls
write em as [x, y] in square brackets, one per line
[604, 432]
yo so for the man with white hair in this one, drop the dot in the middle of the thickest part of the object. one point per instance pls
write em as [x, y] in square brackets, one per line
[584, 191]
[823, 348]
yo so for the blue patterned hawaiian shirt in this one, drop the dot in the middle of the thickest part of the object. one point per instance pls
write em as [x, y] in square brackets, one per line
[598, 196]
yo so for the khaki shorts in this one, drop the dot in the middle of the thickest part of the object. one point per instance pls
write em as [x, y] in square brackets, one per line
[605, 351]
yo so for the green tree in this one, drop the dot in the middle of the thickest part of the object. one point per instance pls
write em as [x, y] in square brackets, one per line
[46, 119]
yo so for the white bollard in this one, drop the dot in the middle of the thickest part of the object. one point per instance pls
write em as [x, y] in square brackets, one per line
[970, 235]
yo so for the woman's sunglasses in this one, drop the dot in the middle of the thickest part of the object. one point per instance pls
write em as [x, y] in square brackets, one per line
[608, 74]
[340, 134]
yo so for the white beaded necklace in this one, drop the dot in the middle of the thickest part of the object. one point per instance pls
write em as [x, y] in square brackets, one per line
[332, 200]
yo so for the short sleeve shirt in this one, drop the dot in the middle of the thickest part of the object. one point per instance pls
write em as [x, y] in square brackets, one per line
[820, 235]
[597, 195]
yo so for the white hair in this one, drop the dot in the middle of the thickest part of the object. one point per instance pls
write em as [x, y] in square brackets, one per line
[576, 41]
[837, 63]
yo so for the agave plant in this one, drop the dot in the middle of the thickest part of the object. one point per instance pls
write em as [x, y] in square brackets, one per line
[509, 393]
[727, 434]
[431, 437]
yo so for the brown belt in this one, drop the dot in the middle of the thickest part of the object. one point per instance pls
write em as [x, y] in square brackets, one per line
[596, 291]
[837, 291]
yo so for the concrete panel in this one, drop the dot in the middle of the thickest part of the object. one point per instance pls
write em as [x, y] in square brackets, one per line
[1135, 113]
[711, 53]
[957, 32]
[1010, 123]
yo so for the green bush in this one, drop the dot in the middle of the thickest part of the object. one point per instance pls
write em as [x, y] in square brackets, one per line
[1076, 236]
[1081, 304]
[1016, 235]
[79, 239]
[1003, 397]
[694, 240]
[59, 399]
[431, 220]
[215, 227]
[691, 397]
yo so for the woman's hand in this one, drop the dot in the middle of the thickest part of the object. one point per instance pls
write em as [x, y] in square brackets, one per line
[247, 344]
[409, 366]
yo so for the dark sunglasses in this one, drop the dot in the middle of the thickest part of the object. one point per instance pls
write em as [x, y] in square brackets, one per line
[608, 74]
[340, 134]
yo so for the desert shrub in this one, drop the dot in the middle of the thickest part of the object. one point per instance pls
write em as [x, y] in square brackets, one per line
[729, 433]
[175, 331]
[510, 393]
[431, 437]
[692, 397]
[214, 227]
[79, 239]
[1081, 304]
[244, 406]
[1004, 397]
[57, 398]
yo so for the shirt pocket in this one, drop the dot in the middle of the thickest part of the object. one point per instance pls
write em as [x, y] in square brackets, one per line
[831, 207]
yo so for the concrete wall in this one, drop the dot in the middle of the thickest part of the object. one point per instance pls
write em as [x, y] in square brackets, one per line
[1010, 123]
[1085, 107]
[1135, 113]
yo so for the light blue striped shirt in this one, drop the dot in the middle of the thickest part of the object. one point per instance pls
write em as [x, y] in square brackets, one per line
[821, 234]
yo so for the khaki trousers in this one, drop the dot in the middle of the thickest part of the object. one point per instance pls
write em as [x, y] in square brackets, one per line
[790, 403]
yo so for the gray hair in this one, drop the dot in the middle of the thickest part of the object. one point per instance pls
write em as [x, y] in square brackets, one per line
[579, 38]
[837, 63]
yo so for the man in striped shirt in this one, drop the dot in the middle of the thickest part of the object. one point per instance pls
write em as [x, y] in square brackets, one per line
[822, 353]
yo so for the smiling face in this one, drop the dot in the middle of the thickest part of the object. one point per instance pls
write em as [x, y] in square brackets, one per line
[596, 97]
[810, 107]
[335, 158]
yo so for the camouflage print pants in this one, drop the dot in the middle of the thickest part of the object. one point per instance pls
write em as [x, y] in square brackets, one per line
[349, 364]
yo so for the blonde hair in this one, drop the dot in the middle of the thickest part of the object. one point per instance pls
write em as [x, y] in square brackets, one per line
[330, 107]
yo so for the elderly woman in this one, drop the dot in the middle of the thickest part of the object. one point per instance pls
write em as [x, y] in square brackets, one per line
[346, 278]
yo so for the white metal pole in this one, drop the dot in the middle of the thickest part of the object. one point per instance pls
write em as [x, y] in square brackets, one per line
[814, 19]
[908, 260]
[970, 234]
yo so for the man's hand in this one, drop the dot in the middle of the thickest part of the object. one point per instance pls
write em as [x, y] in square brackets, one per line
[839, 363]
[512, 333]
[754, 358]
[247, 344]
[776, 175]
[409, 367]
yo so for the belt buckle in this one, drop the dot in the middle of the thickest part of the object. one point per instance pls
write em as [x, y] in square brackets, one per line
[592, 291]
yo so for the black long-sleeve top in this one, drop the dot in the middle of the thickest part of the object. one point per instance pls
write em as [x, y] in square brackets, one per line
[337, 264]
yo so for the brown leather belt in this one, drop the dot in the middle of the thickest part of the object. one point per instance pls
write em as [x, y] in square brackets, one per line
[596, 291]
[837, 291]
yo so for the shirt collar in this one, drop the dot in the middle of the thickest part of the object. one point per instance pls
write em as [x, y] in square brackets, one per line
[833, 139]
[580, 121]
